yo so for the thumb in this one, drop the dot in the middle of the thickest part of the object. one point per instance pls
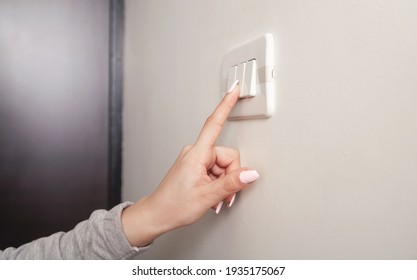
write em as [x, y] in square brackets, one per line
[233, 182]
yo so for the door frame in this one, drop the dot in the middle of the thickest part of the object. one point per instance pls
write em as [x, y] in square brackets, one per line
[116, 38]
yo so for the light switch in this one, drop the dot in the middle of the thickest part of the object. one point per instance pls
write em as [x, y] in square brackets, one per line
[231, 77]
[249, 81]
[240, 75]
[253, 64]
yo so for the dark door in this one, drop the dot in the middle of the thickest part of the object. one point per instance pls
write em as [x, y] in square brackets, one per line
[57, 154]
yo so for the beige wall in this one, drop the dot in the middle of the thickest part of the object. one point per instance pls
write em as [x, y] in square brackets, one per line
[338, 159]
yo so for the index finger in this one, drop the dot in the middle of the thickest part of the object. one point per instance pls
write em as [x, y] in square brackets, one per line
[214, 123]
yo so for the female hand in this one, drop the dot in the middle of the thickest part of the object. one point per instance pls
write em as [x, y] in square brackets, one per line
[202, 177]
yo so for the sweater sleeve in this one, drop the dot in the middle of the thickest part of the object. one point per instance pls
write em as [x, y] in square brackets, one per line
[99, 237]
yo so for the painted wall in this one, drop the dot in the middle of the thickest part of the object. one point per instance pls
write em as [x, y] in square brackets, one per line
[338, 159]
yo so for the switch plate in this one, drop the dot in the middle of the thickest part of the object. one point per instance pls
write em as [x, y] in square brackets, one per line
[259, 96]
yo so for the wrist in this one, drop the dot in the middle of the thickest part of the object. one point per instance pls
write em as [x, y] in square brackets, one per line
[141, 224]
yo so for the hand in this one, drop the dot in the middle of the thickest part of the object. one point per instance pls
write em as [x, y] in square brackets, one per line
[202, 177]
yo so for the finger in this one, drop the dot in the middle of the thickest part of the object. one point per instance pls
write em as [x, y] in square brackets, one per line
[213, 177]
[231, 183]
[214, 123]
[217, 170]
[185, 150]
[218, 207]
[227, 158]
[230, 200]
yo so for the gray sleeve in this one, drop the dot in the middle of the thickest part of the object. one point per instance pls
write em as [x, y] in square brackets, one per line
[99, 237]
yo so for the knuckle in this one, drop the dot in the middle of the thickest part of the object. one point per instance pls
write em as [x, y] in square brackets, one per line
[210, 118]
[230, 185]
[185, 149]
[236, 153]
[212, 121]
[184, 154]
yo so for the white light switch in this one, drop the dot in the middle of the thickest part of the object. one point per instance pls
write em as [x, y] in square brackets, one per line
[249, 80]
[255, 69]
[231, 77]
[240, 75]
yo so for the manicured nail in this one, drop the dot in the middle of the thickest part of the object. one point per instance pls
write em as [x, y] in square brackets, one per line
[232, 87]
[219, 207]
[248, 176]
[231, 201]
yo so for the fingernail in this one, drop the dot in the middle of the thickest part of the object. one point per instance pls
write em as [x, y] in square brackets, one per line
[232, 87]
[219, 207]
[248, 176]
[231, 201]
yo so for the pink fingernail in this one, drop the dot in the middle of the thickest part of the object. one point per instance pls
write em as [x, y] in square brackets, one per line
[232, 87]
[248, 176]
[219, 207]
[231, 201]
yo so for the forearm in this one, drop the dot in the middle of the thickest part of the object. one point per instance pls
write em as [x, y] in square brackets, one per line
[99, 237]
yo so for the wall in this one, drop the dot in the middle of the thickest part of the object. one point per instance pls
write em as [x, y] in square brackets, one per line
[338, 159]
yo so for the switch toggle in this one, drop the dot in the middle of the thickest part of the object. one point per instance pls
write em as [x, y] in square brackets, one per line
[240, 75]
[246, 73]
[249, 80]
[231, 78]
